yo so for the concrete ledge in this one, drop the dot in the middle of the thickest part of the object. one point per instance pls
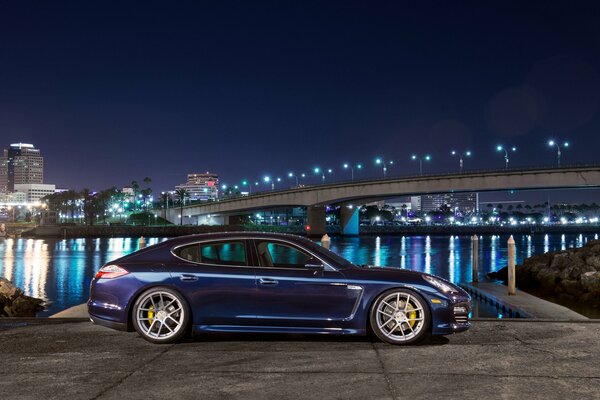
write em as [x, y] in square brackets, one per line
[527, 305]
[79, 311]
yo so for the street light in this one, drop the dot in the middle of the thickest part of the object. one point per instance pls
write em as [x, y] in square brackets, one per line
[292, 175]
[558, 153]
[245, 183]
[505, 150]
[267, 180]
[426, 157]
[461, 156]
[351, 167]
[382, 162]
[320, 171]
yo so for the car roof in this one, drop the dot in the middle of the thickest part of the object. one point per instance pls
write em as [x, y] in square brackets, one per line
[237, 234]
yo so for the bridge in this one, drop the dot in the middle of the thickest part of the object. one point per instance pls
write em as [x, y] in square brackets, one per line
[352, 194]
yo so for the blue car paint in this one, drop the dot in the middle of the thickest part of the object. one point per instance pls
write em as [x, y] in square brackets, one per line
[240, 299]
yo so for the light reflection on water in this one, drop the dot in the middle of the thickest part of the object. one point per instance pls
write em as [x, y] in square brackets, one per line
[449, 256]
[60, 271]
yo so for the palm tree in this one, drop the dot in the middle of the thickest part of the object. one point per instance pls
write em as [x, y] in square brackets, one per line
[135, 186]
[89, 205]
[181, 194]
[164, 200]
[104, 197]
[70, 198]
[147, 191]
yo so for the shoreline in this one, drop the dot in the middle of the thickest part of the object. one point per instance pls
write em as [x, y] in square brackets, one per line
[100, 231]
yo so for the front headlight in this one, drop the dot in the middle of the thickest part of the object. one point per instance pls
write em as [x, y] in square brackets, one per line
[440, 284]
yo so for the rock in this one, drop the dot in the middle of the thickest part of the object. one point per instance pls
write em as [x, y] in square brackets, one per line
[25, 306]
[8, 290]
[590, 281]
[13, 303]
[547, 278]
[573, 273]
[594, 261]
[570, 286]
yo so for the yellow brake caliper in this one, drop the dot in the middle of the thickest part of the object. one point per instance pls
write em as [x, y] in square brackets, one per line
[151, 314]
[411, 314]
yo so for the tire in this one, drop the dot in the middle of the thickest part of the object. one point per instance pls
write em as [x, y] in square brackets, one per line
[161, 315]
[409, 323]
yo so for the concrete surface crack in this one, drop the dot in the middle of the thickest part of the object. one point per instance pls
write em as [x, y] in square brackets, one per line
[531, 346]
[385, 374]
[124, 378]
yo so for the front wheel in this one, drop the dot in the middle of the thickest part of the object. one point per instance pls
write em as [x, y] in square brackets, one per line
[400, 316]
[160, 315]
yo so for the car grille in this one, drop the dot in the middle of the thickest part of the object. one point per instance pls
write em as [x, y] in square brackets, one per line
[461, 313]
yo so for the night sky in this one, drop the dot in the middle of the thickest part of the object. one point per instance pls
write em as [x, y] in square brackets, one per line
[116, 91]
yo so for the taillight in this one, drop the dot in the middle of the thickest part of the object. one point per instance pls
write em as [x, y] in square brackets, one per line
[111, 271]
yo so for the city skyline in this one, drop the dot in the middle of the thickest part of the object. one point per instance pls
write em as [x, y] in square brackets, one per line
[164, 92]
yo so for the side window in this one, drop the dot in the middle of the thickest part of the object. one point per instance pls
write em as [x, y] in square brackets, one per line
[220, 253]
[279, 255]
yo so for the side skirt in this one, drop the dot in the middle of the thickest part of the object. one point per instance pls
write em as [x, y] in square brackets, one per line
[277, 329]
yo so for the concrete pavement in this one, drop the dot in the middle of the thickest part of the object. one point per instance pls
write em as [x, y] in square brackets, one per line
[494, 360]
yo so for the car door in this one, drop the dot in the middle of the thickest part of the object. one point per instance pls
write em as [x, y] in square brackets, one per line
[218, 280]
[290, 294]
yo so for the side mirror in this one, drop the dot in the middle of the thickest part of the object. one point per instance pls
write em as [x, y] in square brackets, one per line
[314, 264]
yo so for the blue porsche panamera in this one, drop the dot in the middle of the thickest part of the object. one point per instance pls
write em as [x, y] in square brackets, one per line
[261, 282]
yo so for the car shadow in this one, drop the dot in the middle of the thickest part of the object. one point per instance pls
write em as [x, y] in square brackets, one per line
[292, 337]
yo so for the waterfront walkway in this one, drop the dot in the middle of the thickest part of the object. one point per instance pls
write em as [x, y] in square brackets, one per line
[526, 305]
[55, 359]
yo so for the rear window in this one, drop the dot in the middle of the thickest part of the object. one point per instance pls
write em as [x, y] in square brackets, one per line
[219, 253]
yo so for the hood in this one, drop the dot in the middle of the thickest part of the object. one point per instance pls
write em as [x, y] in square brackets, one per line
[384, 273]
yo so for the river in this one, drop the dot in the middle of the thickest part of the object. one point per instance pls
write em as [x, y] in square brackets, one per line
[59, 271]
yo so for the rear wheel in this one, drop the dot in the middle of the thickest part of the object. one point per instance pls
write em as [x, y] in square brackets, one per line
[400, 316]
[161, 315]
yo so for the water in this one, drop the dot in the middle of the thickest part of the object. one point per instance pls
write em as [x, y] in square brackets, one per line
[60, 271]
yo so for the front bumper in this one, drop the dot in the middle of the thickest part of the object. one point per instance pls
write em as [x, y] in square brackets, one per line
[451, 316]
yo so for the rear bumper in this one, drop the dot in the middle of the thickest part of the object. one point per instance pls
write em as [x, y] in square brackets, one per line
[109, 324]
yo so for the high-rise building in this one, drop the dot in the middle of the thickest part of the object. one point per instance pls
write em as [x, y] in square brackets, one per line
[201, 186]
[465, 202]
[20, 164]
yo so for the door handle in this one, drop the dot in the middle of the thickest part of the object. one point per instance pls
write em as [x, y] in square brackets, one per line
[188, 278]
[267, 281]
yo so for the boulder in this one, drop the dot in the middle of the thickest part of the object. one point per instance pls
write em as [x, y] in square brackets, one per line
[590, 281]
[8, 290]
[13, 303]
[593, 261]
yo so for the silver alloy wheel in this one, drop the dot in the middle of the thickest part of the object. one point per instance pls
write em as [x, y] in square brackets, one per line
[400, 316]
[160, 315]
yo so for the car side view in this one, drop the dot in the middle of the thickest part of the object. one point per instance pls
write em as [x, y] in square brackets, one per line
[261, 282]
